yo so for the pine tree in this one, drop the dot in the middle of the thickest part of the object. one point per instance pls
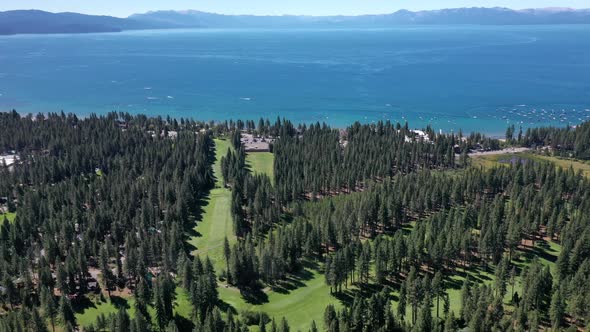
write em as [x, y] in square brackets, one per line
[284, 325]
[450, 323]
[140, 323]
[66, 311]
[123, 320]
[402, 302]
[38, 324]
[424, 321]
[227, 255]
[329, 315]
[313, 327]
[466, 300]
[142, 297]
[261, 324]
[159, 298]
[172, 327]
[438, 289]
[107, 273]
[49, 305]
[557, 309]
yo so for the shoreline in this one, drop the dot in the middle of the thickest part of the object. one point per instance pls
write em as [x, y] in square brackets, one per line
[491, 133]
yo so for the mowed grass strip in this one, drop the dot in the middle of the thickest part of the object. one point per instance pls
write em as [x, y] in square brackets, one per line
[310, 294]
[221, 147]
[261, 163]
[216, 223]
[299, 306]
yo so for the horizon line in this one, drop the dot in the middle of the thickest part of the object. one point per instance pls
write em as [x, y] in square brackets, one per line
[555, 9]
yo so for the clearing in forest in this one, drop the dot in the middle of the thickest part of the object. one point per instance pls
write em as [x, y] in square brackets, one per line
[261, 162]
[303, 298]
[489, 161]
[216, 223]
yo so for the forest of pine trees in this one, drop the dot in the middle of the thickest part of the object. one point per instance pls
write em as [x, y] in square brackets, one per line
[566, 142]
[105, 198]
[474, 219]
[105, 203]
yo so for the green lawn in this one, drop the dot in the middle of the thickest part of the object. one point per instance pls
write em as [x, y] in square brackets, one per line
[95, 307]
[221, 147]
[88, 315]
[299, 306]
[216, 223]
[215, 226]
[9, 216]
[261, 162]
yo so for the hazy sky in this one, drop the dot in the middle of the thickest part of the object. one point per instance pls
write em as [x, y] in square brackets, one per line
[273, 7]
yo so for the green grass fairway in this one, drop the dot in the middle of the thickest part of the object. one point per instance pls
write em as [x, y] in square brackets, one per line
[300, 306]
[217, 222]
[9, 216]
[500, 159]
[261, 162]
[221, 147]
[88, 316]
[215, 226]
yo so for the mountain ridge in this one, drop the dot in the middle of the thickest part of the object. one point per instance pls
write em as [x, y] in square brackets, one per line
[473, 15]
[34, 21]
[42, 22]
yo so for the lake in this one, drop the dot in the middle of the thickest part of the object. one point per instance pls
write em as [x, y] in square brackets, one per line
[474, 78]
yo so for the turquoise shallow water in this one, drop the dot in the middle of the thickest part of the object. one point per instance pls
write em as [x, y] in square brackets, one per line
[468, 77]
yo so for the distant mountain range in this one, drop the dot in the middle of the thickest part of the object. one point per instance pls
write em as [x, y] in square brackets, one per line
[487, 16]
[36, 21]
[40, 22]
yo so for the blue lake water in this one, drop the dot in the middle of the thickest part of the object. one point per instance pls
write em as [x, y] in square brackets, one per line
[468, 77]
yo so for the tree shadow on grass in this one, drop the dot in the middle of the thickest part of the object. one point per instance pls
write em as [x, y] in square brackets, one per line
[346, 296]
[119, 302]
[479, 274]
[197, 213]
[474, 273]
[83, 303]
[311, 264]
[254, 295]
[406, 229]
[226, 307]
[183, 323]
[297, 279]
[292, 282]
[545, 246]
[542, 250]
